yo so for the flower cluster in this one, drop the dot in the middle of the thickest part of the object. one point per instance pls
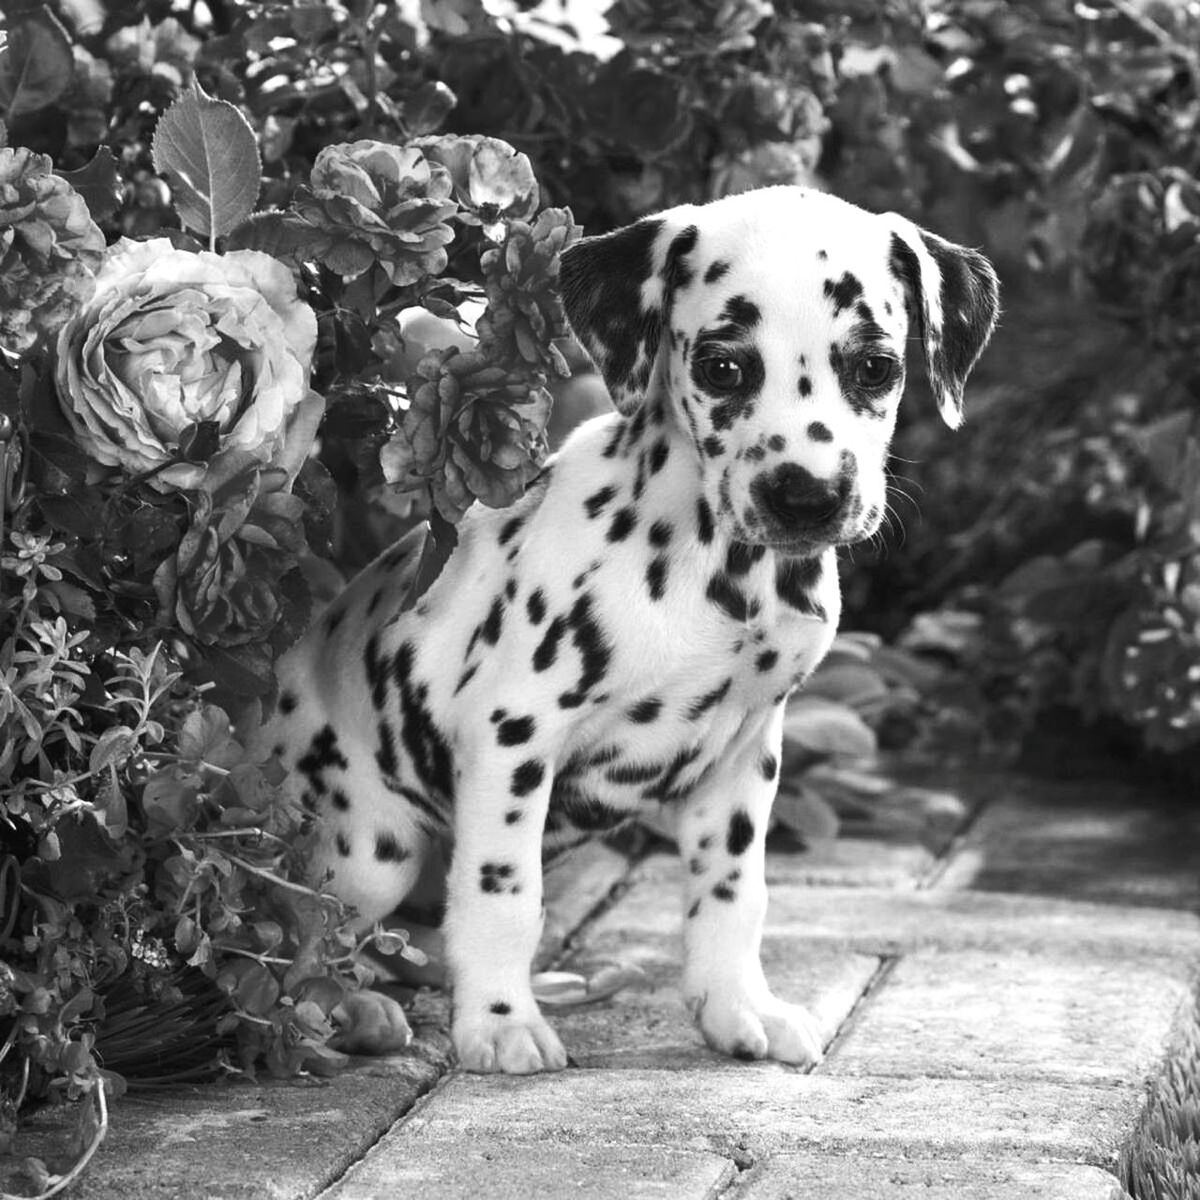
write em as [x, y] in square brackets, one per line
[50, 249]
[379, 204]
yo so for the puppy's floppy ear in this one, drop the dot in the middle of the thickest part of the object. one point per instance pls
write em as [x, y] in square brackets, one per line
[617, 290]
[954, 300]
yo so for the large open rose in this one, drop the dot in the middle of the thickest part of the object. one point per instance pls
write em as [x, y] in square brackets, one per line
[214, 349]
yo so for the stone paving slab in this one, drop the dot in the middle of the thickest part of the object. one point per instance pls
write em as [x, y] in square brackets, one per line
[802, 1176]
[746, 1110]
[241, 1141]
[425, 1171]
[986, 1014]
[1086, 841]
[889, 922]
[649, 1026]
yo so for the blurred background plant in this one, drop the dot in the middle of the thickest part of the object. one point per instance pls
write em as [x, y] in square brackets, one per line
[406, 167]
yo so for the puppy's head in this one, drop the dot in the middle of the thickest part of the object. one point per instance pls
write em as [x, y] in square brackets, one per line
[772, 325]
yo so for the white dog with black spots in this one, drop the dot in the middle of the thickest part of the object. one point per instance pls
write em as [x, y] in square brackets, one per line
[625, 637]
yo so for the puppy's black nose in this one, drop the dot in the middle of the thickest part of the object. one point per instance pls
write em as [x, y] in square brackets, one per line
[797, 498]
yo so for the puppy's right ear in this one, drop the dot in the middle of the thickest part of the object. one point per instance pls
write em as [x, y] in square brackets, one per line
[617, 289]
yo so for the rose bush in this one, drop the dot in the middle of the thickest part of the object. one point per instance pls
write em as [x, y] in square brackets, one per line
[379, 203]
[179, 355]
[49, 249]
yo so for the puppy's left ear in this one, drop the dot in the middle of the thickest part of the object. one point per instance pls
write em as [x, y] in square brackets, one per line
[954, 300]
[617, 289]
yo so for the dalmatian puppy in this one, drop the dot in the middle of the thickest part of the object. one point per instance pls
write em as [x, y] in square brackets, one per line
[625, 637]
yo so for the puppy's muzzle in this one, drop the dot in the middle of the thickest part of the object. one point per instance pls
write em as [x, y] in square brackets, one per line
[797, 503]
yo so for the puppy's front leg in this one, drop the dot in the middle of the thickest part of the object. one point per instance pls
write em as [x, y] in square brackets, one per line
[494, 916]
[722, 836]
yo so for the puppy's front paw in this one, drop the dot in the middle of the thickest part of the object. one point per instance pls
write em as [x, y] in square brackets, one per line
[758, 1027]
[370, 1023]
[514, 1045]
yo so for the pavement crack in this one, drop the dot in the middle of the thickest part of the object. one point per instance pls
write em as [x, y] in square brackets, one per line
[887, 964]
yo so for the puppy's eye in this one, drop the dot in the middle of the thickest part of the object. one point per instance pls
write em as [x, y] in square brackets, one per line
[875, 371]
[721, 374]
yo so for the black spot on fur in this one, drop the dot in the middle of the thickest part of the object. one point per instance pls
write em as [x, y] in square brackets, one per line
[677, 271]
[513, 816]
[709, 700]
[387, 849]
[694, 910]
[535, 606]
[594, 652]
[645, 711]
[713, 446]
[340, 800]
[668, 788]
[515, 731]
[656, 577]
[614, 441]
[717, 269]
[547, 651]
[343, 845]
[766, 660]
[376, 670]
[794, 580]
[743, 314]
[466, 678]
[756, 453]
[428, 749]
[287, 703]
[777, 442]
[768, 765]
[385, 756]
[633, 772]
[660, 534]
[741, 557]
[623, 522]
[819, 432]
[495, 877]
[728, 597]
[805, 386]
[658, 456]
[595, 503]
[490, 629]
[741, 832]
[322, 754]
[722, 891]
[510, 589]
[527, 777]
[704, 521]
[501, 1009]
[845, 292]
[510, 529]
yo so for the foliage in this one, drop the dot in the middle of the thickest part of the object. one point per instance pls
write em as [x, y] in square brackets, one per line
[183, 323]
[1162, 1160]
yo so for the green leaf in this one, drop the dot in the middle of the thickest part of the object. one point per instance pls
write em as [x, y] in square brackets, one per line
[440, 541]
[829, 728]
[36, 64]
[801, 811]
[279, 234]
[99, 183]
[208, 152]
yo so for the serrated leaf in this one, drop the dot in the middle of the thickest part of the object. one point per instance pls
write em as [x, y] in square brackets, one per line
[209, 154]
[36, 64]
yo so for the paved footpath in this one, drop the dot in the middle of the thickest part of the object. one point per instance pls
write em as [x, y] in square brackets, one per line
[999, 971]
